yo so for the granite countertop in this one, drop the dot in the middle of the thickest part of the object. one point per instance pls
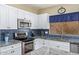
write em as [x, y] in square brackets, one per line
[59, 39]
[10, 42]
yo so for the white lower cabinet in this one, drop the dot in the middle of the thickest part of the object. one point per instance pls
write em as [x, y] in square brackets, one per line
[58, 45]
[16, 51]
[38, 43]
[11, 50]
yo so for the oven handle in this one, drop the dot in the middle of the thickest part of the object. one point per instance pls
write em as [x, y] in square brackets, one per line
[28, 42]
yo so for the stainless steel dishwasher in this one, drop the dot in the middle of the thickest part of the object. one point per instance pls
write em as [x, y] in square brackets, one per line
[74, 47]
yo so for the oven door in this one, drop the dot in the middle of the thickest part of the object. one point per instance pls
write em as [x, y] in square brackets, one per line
[28, 46]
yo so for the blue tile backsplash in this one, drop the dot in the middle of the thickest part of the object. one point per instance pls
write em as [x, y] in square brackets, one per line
[8, 31]
[39, 32]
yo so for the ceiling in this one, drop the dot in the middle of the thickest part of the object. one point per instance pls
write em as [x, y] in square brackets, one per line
[40, 6]
[32, 7]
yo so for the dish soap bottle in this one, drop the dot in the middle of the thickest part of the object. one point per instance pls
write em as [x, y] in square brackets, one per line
[6, 37]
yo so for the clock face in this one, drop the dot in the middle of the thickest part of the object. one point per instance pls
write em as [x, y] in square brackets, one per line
[61, 10]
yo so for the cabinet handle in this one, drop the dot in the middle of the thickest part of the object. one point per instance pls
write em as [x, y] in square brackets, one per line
[43, 43]
[24, 18]
[12, 47]
[34, 43]
[12, 51]
[57, 46]
[8, 27]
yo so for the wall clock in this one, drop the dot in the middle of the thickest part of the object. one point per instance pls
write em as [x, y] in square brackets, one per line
[61, 10]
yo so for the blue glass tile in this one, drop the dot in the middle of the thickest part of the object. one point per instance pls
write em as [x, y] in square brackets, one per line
[65, 17]
[8, 31]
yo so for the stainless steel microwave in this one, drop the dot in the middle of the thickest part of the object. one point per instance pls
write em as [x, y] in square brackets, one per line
[23, 23]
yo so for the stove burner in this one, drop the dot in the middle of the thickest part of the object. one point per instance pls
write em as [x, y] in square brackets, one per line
[25, 39]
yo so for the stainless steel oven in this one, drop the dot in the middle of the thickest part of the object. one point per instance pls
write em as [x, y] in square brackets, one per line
[27, 42]
[27, 47]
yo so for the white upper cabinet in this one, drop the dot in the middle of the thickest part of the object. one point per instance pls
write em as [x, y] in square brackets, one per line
[21, 14]
[3, 17]
[43, 20]
[12, 18]
[8, 17]
[32, 18]
[28, 16]
[34, 21]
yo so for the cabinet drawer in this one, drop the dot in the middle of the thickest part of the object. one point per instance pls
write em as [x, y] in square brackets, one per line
[16, 45]
[16, 51]
[65, 48]
[10, 47]
[58, 45]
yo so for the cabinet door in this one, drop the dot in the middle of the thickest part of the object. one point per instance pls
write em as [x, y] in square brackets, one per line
[43, 21]
[27, 16]
[50, 43]
[39, 22]
[64, 46]
[16, 51]
[3, 17]
[21, 14]
[58, 45]
[4, 53]
[34, 21]
[12, 18]
[38, 43]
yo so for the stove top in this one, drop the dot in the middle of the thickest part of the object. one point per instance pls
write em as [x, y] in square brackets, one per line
[26, 40]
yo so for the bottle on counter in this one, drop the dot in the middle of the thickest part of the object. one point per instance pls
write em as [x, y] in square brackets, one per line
[6, 37]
